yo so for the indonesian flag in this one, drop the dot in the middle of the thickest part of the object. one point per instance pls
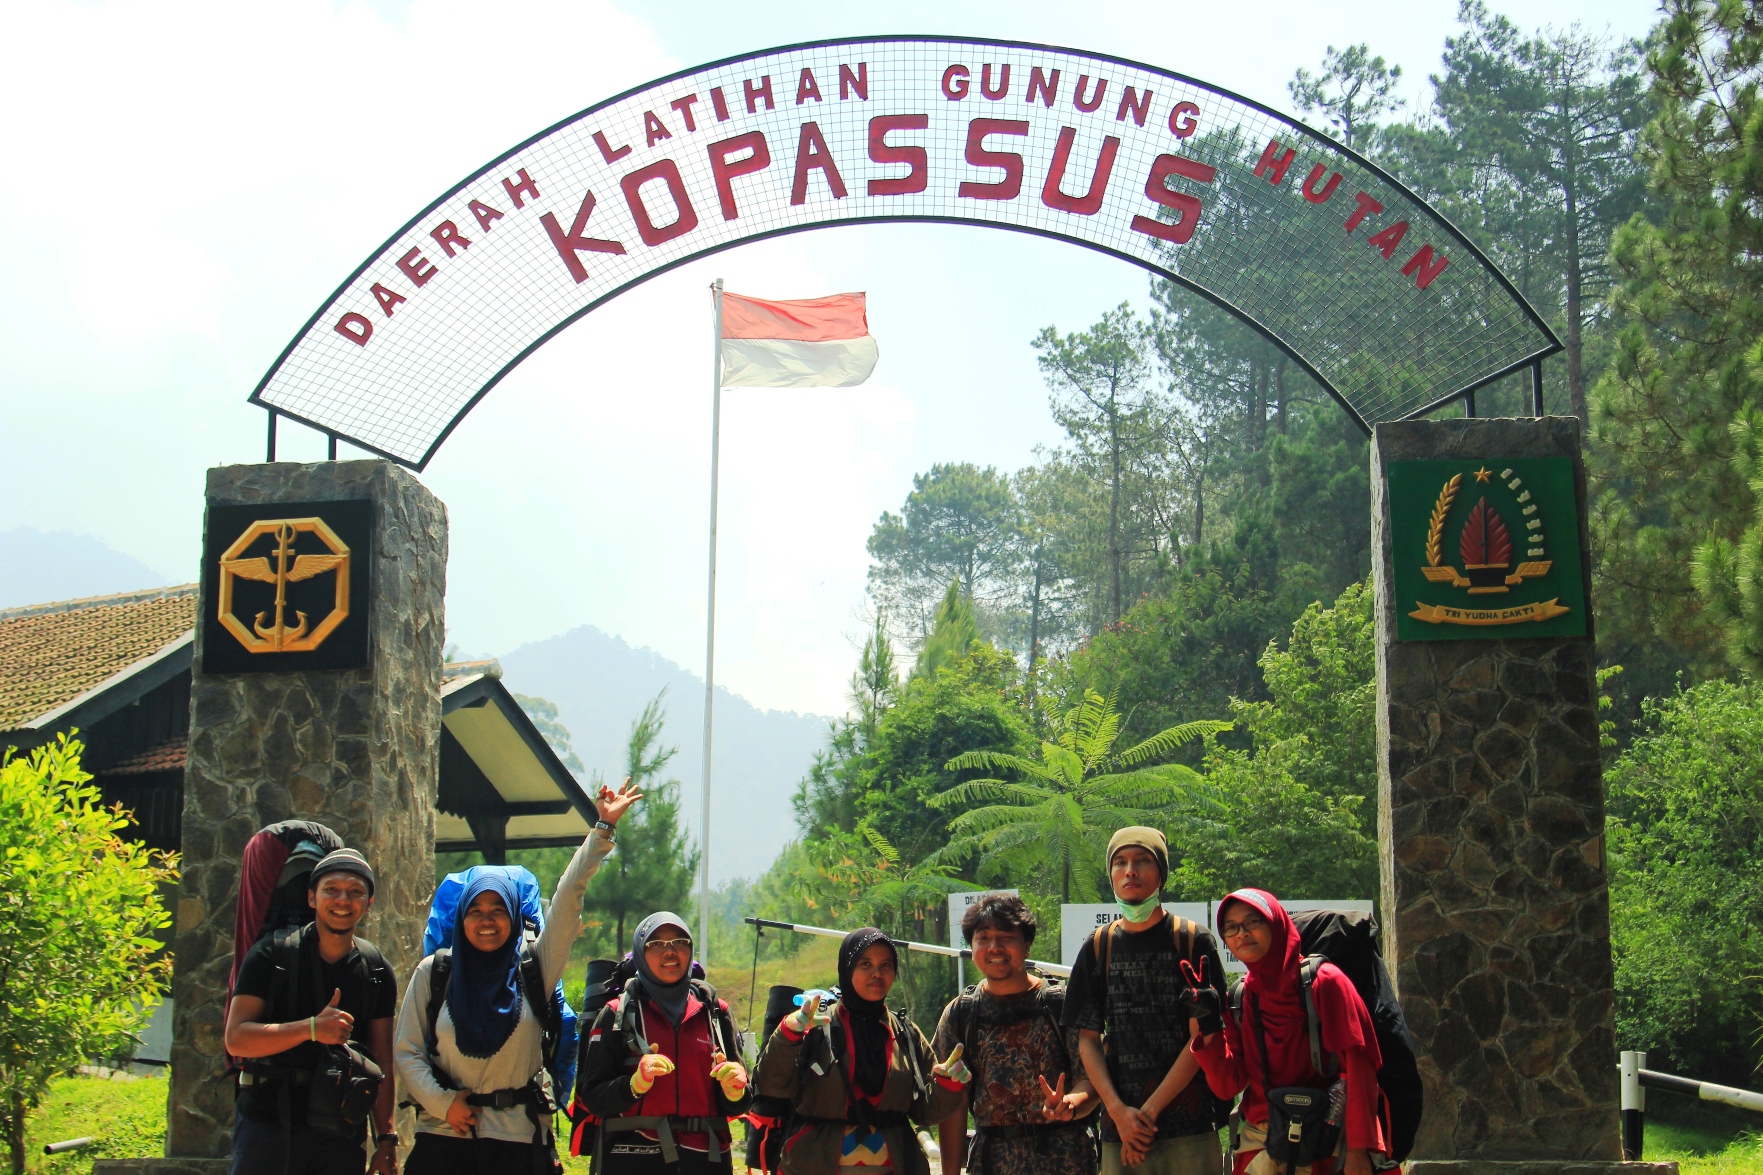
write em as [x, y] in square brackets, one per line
[801, 343]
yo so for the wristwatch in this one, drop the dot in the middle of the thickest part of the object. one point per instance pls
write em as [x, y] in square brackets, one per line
[383, 1139]
[602, 826]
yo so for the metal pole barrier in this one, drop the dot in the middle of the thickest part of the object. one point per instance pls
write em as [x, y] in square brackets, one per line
[1744, 1099]
[272, 416]
[1536, 388]
[1634, 1106]
[72, 1144]
[927, 948]
[1469, 405]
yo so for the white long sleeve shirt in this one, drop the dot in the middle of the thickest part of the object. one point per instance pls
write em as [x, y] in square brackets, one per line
[521, 1055]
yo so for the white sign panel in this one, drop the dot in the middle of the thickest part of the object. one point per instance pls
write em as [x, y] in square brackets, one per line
[1078, 921]
[958, 903]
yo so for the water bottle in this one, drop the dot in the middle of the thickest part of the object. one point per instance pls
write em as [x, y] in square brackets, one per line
[1337, 1102]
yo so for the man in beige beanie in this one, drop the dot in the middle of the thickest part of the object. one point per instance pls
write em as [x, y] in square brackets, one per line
[1127, 982]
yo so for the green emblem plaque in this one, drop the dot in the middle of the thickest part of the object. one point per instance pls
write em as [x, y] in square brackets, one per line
[1485, 549]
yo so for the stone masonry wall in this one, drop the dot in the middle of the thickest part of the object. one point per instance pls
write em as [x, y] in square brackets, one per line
[357, 750]
[1492, 846]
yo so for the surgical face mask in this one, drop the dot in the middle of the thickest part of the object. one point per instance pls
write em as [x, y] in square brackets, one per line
[1138, 912]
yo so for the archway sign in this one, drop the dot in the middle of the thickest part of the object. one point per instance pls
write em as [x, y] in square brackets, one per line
[1374, 293]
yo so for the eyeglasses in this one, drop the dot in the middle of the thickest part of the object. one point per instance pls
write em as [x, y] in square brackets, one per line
[340, 894]
[663, 945]
[1237, 929]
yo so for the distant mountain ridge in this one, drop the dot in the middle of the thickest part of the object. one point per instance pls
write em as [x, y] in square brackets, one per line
[599, 683]
[41, 566]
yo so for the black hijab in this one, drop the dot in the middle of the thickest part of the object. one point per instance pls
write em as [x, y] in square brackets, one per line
[868, 1018]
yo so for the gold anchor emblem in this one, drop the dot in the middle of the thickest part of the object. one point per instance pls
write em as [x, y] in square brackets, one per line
[282, 567]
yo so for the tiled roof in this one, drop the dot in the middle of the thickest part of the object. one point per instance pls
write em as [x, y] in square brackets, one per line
[53, 653]
[168, 756]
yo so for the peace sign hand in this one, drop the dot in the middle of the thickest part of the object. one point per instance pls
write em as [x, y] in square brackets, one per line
[1058, 1108]
[613, 804]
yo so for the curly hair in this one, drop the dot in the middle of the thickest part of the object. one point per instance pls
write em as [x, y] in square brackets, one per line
[1000, 911]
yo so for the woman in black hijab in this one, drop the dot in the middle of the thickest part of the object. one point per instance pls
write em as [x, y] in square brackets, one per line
[866, 1078]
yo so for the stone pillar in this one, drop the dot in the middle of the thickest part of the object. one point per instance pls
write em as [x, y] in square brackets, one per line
[1491, 804]
[355, 749]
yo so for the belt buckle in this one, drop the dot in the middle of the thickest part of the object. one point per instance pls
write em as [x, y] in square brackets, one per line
[504, 1100]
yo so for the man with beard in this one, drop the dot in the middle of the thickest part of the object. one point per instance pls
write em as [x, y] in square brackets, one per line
[1030, 1098]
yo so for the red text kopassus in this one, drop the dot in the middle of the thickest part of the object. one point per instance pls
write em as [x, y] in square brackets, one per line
[890, 145]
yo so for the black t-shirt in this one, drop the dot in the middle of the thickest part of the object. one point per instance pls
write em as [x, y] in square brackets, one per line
[1138, 1007]
[370, 992]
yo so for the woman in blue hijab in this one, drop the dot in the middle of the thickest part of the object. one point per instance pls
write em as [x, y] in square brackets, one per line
[479, 1074]
[663, 1072]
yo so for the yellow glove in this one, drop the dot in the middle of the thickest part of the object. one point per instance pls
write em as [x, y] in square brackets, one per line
[652, 1066]
[730, 1075]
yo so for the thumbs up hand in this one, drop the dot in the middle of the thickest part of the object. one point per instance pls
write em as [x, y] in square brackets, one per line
[332, 1025]
[808, 1015]
[954, 1068]
[730, 1075]
[652, 1066]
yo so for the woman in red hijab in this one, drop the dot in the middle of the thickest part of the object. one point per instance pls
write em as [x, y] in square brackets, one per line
[1261, 934]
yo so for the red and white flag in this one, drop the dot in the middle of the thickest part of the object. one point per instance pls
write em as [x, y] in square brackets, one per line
[800, 343]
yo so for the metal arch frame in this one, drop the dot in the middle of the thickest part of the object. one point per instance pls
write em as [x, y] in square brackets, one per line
[1465, 393]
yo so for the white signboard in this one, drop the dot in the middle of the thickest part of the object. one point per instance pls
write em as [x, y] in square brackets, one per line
[958, 903]
[1078, 921]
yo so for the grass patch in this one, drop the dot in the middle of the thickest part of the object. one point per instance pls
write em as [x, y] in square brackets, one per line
[126, 1116]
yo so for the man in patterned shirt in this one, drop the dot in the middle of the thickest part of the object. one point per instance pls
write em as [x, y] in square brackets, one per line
[1029, 1097]
[1127, 983]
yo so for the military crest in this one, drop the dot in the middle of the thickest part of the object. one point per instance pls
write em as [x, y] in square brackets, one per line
[287, 586]
[1482, 547]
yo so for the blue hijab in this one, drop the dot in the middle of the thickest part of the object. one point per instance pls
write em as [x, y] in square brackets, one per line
[669, 997]
[483, 996]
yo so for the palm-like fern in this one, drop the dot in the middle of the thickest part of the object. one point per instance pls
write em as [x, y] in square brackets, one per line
[1061, 810]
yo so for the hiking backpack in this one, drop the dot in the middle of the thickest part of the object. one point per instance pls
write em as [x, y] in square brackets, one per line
[1350, 941]
[769, 1116]
[275, 870]
[557, 1020]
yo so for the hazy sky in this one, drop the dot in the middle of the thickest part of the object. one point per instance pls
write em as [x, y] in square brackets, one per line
[186, 182]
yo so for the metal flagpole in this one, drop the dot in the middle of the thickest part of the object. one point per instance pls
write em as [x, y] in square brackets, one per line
[703, 943]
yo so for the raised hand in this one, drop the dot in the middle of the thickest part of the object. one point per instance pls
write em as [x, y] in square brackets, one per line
[1058, 1108]
[728, 1074]
[808, 1014]
[1201, 998]
[615, 803]
[332, 1025]
[652, 1066]
[954, 1068]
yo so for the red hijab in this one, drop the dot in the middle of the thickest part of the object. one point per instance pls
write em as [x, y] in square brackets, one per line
[1274, 994]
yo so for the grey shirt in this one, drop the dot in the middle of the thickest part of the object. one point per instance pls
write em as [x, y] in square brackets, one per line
[521, 1055]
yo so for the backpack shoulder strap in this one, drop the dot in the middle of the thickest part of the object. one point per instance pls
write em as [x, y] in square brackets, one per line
[1103, 948]
[1234, 996]
[629, 1022]
[532, 982]
[1306, 977]
[1044, 1001]
[963, 1026]
[285, 950]
[1186, 933]
[440, 971]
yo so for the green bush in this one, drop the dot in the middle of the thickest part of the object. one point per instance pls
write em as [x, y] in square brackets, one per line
[1686, 871]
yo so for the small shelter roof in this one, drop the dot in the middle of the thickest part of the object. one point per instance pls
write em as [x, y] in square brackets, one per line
[502, 786]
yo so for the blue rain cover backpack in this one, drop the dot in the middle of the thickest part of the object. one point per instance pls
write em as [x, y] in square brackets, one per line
[560, 1052]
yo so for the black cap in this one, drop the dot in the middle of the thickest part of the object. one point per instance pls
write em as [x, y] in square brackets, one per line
[343, 861]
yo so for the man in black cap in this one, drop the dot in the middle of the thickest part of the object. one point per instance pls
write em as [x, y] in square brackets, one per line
[299, 990]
